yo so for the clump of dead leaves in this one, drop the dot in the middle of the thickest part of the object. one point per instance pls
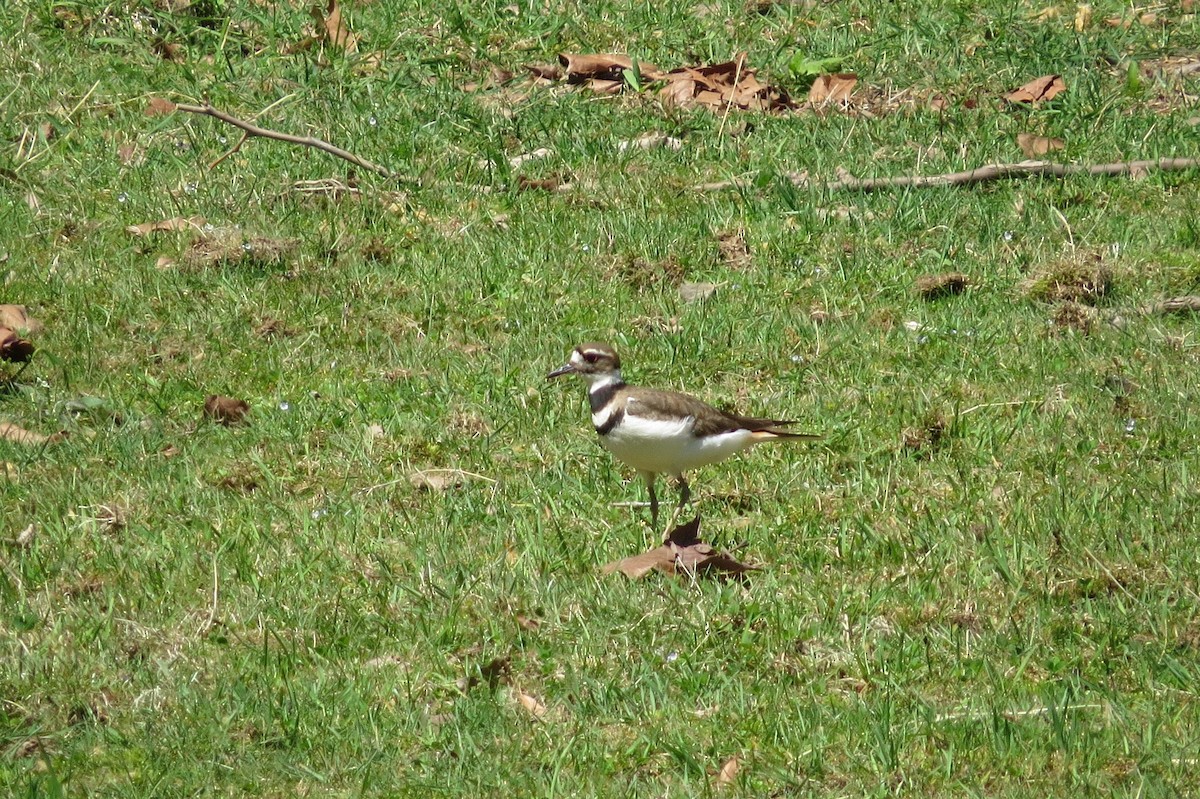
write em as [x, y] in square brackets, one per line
[731, 84]
[682, 554]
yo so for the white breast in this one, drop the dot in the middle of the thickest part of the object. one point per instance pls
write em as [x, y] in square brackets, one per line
[667, 447]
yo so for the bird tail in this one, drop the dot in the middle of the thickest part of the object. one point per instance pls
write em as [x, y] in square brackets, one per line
[768, 429]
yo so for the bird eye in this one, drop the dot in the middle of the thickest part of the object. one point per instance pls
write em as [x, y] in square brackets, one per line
[590, 357]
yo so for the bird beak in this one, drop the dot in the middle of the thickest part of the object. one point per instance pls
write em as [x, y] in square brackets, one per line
[565, 369]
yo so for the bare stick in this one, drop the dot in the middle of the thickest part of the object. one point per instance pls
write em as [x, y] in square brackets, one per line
[230, 151]
[981, 174]
[266, 133]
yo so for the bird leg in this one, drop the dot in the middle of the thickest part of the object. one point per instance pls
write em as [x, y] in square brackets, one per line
[685, 496]
[649, 478]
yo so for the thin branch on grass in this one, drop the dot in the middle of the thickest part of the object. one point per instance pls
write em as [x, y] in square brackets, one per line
[266, 133]
[983, 174]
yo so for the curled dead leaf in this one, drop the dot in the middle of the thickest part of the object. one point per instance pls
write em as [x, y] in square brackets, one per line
[19, 435]
[728, 772]
[582, 67]
[681, 553]
[829, 89]
[1035, 146]
[531, 704]
[16, 317]
[14, 348]
[226, 410]
[175, 224]
[731, 84]
[1038, 90]
[545, 72]
[332, 28]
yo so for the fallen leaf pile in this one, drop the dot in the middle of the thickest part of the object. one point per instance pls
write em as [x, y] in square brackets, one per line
[682, 553]
[728, 85]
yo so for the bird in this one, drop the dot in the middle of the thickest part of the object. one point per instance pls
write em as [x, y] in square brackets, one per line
[663, 432]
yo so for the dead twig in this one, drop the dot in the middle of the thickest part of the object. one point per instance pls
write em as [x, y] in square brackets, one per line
[981, 174]
[266, 133]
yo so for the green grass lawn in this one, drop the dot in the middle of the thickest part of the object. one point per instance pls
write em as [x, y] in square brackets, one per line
[983, 581]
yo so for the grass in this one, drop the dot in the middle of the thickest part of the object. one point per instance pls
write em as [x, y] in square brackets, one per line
[982, 582]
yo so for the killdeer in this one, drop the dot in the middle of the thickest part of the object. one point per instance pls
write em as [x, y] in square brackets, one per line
[662, 432]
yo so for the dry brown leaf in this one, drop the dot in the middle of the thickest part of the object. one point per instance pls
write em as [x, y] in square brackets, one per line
[19, 435]
[731, 84]
[548, 183]
[226, 410]
[1034, 146]
[332, 29]
[175, 224]
[1083, 17]
[545, 73]
[129, 153]
[682, 553]
[692, 292]
[438, 479]
[932, 287]
[1038, 90]
[158, 107]
[16, 317]
[531, 704]
[582, 67]
[14, 348]
[168, 51]
[828, 89]
[729, 771]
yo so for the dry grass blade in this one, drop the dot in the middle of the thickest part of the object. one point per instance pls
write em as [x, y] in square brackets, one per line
[168, 225]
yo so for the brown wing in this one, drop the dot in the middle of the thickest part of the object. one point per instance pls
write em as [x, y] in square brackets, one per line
[708, 420]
